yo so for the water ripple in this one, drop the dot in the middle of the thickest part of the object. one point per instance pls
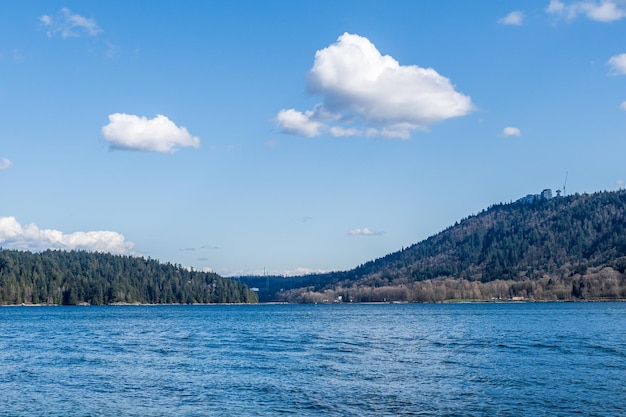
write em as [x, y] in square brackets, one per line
[343, 360]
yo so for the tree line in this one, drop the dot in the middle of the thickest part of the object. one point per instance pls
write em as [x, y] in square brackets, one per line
[80, 277]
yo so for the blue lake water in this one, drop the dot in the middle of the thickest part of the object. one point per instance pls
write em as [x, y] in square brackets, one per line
[536, 359]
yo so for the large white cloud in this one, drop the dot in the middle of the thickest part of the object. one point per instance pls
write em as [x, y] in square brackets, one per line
[15, 236]
[5, 163]
[601, 11]
[69, 25]
[367, 93]
[127, 131]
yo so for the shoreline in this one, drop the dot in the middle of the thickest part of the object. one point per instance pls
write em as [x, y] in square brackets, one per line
[615, 300]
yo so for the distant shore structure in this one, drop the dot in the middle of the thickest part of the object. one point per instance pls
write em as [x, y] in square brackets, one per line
[535, 198]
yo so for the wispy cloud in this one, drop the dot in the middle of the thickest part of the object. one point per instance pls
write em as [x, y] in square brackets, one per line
[623, 105]
[511, 131]
[15, 236]
[271, 143]
[366, 93]
[363, 232]
[617, 64]
[515, 18]
[69, 25]
[600, 11]
[203, 247]
[130, 132]
[5, 163]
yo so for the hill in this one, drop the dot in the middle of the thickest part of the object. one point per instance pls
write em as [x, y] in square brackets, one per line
[79, 277]
[564, 248]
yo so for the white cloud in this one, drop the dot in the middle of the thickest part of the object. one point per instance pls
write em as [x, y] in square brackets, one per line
[298, 123]
[14, 235]
[69, 25]
[515, 18]
[339, 131]
[600, 11]
[5, 163]
[127, 131]
[511, 131]
[555, 7]
[619, 183]
[364, 232]
[364, 92]
[623, 105]
[617, 64]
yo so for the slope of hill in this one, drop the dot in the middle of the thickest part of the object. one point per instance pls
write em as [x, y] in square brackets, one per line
[564, 248]
[78, 277]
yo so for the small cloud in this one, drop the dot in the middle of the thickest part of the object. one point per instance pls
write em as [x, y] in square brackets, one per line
[617, 64]
[298, 123]
[338, 131]
[599, 11]
[619, 183]
[5, 163]
[364, 232]
[69, 25]
[515, 18]
[14, 235]
[130, 132]
[112, 51]
[623, 105]
[366, 93]
[511, 131]
[203, 247]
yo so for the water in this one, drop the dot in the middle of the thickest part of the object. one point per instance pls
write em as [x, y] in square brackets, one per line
[539, 359]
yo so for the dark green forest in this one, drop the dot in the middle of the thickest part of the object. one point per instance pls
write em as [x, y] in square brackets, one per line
[564, 248]
[79, 277]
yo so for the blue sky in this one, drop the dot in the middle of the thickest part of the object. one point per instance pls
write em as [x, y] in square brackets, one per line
[293, 136]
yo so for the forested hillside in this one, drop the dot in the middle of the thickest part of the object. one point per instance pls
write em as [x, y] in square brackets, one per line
[564, 248]
[78, 277]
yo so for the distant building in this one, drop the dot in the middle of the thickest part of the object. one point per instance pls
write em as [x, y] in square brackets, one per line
[529, 199]
[535, 198]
